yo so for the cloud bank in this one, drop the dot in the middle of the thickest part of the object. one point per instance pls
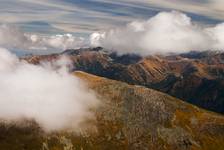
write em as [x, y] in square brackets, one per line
[13, 38]
[47, 93]
[167, 32]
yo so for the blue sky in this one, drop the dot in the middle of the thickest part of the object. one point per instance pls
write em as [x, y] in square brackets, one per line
[83, 17]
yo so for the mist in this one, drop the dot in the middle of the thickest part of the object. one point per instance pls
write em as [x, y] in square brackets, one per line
[46, 93]
[167, 32]
[12, 37]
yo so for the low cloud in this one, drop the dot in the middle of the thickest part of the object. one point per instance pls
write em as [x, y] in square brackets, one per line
[47, 93]
[12, 37]
[167, 32]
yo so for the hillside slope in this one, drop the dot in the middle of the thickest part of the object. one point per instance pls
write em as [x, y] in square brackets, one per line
[154, 120]
[130, 117]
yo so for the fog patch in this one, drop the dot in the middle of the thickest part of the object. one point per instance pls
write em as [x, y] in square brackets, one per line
[47, 93]
[12, 37]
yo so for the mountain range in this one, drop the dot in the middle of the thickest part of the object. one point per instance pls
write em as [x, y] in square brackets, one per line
[195, 77]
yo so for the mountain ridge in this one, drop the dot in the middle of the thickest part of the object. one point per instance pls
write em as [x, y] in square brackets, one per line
[196, 77]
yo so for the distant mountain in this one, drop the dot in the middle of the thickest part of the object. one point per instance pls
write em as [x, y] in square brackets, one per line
[130, 117]
[196, 77]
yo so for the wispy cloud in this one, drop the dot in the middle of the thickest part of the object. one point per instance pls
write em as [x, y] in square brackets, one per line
[13, 38]
[87, 16]
[210, 8]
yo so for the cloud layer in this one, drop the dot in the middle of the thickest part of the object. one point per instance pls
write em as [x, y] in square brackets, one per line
[13, 38]
[46, 93]
[167, 32]
[86, 16]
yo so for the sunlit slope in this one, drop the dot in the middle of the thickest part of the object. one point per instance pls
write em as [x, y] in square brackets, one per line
[139, 118]
[130, 117]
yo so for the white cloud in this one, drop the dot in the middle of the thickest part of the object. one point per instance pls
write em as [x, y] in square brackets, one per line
[46, 93]
[217, 35]
[59, 41]
[167, 32]
[12, 37]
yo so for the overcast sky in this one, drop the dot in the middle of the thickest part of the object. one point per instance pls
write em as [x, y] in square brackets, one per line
[82, 17]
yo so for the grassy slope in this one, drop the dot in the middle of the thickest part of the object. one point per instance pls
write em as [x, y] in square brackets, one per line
[130, 117]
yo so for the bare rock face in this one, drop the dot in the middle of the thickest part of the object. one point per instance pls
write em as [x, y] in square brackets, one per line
[195, 77]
